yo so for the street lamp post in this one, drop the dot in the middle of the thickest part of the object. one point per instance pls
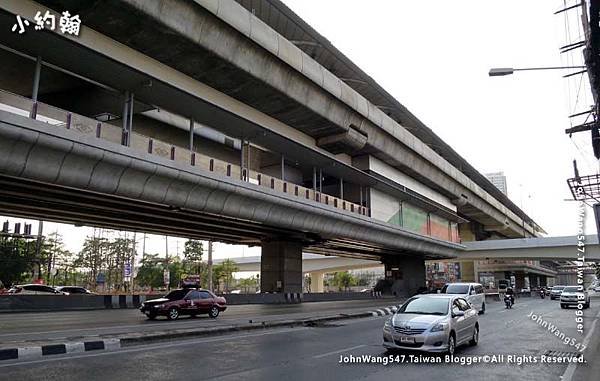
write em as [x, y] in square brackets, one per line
[500, 71]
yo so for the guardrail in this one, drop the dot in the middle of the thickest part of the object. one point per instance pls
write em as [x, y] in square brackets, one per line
[57, 117]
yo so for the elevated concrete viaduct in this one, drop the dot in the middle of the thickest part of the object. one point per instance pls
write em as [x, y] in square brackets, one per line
[80, 167]
[304, 160]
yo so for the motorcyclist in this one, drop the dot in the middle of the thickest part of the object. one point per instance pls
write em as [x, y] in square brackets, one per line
[511, 294]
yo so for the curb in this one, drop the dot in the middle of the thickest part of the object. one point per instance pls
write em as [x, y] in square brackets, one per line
[384, 311]
[34, 353]
[112, 344]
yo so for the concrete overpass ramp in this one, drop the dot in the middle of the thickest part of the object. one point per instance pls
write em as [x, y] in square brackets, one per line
[546, 248]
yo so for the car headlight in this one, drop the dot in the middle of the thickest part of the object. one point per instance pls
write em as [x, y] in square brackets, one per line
[439, 327]
[159, 306]
[388, 324]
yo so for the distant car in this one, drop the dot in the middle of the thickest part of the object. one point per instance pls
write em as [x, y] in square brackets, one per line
[432, 323]
[236, 292]
[556, 291]
[474, 293]
[74, 290]
[184, 302]
[597, 289]
[573, 295]
[33, 289]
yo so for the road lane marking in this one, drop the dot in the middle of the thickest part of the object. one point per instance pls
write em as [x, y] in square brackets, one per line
[339, 351]
[142, 348]
[570, 371]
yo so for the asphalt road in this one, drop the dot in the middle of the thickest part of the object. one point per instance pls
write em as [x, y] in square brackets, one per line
[314, 353]
[19, 327]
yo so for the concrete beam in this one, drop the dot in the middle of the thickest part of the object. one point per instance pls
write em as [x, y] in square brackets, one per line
[564, 248]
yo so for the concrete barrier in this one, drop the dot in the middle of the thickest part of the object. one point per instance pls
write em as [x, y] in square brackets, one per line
[32, 303]
[492, 296]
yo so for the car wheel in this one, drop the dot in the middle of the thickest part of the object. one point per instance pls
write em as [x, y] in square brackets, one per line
[451, 345]
[482, 311]
[562, 306]
[151, 316]
[214, 312]
[475, 338]
[173, 313]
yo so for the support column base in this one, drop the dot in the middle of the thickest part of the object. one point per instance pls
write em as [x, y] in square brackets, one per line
[281, 267]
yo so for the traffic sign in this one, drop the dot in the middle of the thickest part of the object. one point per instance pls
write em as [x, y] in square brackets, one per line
[101, 278]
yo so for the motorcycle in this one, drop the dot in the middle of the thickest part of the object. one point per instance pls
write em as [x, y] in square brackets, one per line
[542, 293]
[508, 301]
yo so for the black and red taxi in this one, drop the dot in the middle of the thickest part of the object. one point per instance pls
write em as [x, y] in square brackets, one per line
[184, 301]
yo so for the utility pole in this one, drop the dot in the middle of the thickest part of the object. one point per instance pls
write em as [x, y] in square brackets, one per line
[144, 248]
[38, 251]
[209, 262]
[132, 263]
[167, 262]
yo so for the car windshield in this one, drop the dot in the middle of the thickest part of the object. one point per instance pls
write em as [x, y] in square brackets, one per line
[425, 306]
[176, 294]
[571, 289]
[460, 289]
[558, 288]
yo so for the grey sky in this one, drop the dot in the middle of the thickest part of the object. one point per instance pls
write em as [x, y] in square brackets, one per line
[433, 56]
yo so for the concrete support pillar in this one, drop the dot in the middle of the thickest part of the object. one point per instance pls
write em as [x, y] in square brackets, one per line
[281, 266]
[317, 280]
[519, 281]
[209, 266]
[320, 180]
[192, 135]
[125, 121]
[36, 86]
[404, 275]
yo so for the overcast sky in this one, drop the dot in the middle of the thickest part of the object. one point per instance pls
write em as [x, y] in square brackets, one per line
[433, 56]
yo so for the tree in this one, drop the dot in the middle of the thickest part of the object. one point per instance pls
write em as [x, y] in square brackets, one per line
[248, 284]
[192, 252]
[228, 267]
[58, 257]
[91, 258]
[343, 280]
[150, 273]
[218, 275]
[176, 271]
[16, 259]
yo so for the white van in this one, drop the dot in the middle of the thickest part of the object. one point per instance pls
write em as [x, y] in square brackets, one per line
[473, 292]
